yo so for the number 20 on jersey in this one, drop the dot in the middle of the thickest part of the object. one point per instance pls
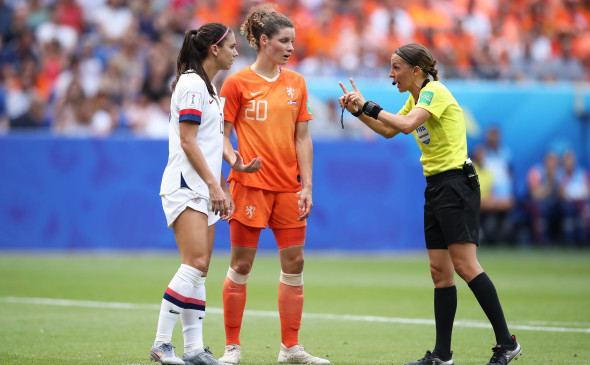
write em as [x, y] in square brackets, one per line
[257, 110]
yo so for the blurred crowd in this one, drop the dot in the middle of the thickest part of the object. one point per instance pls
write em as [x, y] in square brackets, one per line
[98, 67]
[102, 67]
[555, 207]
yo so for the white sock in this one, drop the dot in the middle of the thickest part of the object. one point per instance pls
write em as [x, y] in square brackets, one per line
[174, 301]
[192, 318]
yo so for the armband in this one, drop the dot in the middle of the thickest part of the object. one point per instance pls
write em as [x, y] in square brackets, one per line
[357, 113]
[371, 109]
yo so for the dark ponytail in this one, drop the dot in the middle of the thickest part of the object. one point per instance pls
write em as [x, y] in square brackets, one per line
[195, 48]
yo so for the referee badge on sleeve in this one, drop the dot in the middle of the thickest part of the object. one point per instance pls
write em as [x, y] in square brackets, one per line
[423, 134]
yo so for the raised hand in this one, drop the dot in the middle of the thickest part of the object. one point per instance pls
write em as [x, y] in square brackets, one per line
[252, 166]
[353, 101]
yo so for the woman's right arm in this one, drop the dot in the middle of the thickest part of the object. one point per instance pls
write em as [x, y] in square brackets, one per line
[229, 154]
[233, 157]
[376, 125]
[387, 124]
[188, 142]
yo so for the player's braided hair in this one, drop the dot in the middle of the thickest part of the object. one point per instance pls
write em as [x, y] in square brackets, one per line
[263, 19]
[416, 54]
[195, 48]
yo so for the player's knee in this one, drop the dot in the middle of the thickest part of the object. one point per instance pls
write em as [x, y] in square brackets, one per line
[199, 262]
[241, 266]
[297, 263]
[441, 277]
[294, 264]
[468, 271]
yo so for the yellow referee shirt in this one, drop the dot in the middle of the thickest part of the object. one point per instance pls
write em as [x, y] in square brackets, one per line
[442, 137]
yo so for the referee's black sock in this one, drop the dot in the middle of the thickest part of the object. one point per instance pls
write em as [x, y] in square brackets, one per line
[445, 306]
[486, 295]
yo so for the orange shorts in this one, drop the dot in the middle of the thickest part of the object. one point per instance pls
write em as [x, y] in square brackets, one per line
[258, 208]
[245, 236]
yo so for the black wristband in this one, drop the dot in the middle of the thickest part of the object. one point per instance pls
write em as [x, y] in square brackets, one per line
[371, 109]
[357, 113]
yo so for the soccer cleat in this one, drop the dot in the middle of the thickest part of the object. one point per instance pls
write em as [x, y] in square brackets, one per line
[297, 355]
[164, 354]
[502, 355]
[232, 354]
[431, 359]
[204, 357]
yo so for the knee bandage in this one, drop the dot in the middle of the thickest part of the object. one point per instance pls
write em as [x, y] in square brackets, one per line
[236, 277]
[291, 279]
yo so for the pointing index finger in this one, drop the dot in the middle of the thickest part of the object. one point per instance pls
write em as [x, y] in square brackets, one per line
[343, 87]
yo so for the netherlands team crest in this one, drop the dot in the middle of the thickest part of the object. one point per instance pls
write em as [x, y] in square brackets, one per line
[290, 92]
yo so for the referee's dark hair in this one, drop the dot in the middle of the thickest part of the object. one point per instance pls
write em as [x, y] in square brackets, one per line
[416, 54]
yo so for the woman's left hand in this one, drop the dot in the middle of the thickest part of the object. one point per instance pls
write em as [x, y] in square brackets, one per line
[305, 204]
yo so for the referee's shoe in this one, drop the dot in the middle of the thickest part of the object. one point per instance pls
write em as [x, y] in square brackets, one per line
[503, 355]
[431, 359]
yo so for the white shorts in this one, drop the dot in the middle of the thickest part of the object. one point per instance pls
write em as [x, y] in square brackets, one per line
[176, 202]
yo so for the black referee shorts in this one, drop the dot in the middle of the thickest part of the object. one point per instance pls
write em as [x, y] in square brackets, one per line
[451, 210]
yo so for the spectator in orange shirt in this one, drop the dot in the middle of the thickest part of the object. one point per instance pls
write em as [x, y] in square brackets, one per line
[429, 14]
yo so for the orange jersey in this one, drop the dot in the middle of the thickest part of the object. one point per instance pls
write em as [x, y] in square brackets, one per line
[264, 114]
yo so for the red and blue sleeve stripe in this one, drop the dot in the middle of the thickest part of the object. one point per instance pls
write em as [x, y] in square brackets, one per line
[182, 301]
[190, 115]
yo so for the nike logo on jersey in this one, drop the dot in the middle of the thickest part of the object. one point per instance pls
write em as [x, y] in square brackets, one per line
[210, 101]
[256, 93]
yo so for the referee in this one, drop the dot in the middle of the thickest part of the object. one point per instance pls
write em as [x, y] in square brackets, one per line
[451, 209]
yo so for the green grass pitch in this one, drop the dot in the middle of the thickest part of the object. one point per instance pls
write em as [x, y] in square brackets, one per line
[103, 309]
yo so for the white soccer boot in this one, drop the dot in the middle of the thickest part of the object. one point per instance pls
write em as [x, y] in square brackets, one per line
[297, 355]
[232, 354]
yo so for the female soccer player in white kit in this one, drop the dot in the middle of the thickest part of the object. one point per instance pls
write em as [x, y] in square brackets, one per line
[194, 192]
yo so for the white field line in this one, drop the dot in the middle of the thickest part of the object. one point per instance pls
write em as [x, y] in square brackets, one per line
[530, 326]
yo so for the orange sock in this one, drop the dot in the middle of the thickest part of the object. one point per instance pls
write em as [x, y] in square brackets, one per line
[234, 301]
[290, 310]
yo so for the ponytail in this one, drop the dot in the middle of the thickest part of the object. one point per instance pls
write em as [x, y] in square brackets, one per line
[195, 48]
[416, 54]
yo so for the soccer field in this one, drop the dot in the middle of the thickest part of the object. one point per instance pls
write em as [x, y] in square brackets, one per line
[102, 309]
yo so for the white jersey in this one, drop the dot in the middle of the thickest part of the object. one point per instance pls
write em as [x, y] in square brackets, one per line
[192, 103]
